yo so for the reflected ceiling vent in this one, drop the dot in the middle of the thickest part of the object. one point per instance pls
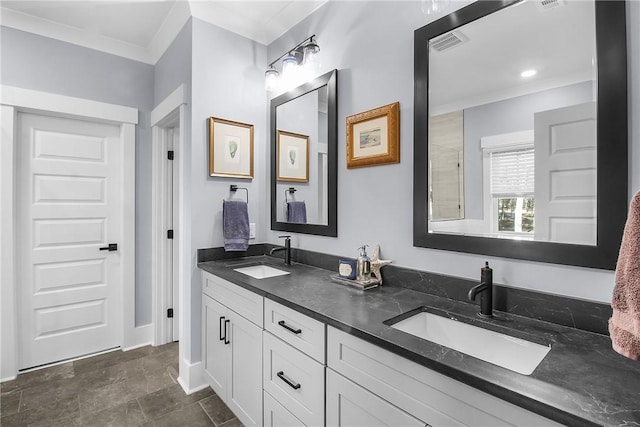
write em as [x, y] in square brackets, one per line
[448, 41]
[549, 4]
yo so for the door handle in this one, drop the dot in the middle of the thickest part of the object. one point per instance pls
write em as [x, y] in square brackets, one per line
[289, 328]
[222, 337]
[294, 386]
[112, 247]
[226, 337]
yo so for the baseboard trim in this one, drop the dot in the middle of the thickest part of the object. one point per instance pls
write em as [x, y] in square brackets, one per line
[138, 337]
[191, 378]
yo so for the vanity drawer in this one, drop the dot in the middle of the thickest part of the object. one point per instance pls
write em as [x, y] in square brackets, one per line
[302, 332]
[294, 379]
[276, 415]
[244, 302]
[425, 394]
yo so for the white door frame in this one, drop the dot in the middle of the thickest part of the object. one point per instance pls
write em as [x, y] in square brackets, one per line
[168, 114]
[15, 100]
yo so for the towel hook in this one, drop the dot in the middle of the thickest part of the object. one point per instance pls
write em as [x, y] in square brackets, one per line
[289, 190]
[233, 188]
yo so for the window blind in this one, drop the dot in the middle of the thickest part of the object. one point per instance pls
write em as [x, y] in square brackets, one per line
[512, 172]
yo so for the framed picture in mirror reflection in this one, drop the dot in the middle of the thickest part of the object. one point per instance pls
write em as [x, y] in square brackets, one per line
[292, 157]
[230, 148]
[373, 137]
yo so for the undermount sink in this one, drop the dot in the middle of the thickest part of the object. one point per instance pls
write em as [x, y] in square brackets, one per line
[512, 353]
[261, 271]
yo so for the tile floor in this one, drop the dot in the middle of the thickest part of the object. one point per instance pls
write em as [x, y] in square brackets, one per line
[133, 388]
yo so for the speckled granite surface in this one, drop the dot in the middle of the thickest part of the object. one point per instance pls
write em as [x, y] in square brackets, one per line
[580, 382]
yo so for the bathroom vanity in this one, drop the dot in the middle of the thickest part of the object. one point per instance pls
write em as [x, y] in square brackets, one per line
[308, 341]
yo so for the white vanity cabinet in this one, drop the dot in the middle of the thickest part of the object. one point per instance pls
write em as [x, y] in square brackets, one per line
[232, 346]
[406, 386]
[294, 369]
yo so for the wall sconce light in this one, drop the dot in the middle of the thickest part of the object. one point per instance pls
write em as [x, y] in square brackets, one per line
[297, 63]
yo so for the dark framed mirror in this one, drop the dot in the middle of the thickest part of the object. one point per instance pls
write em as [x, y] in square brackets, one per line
[520, 131]
[304, 158]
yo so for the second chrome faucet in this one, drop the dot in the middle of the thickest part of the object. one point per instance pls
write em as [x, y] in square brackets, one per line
[485, 289]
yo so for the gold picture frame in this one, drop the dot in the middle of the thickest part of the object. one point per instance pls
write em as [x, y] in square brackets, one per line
[373, 137]
[292, 161]
[230, 148]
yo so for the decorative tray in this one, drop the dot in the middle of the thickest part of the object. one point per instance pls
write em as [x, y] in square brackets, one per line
[374, 282]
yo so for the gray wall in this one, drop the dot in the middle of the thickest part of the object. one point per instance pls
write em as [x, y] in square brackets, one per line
[228, 83]
[371, 43]
[34, 62]
[506, 116]
[174, 67]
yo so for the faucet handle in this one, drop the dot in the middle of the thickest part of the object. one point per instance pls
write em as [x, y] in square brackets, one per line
[286, 237]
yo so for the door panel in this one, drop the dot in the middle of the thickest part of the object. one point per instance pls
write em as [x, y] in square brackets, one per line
[566, 175]
[69, 206]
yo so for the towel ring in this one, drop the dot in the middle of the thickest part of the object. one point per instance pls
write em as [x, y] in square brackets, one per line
[233, 188]
[289, 190]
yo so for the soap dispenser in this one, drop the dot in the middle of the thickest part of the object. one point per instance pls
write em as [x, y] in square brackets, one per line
[363, 266]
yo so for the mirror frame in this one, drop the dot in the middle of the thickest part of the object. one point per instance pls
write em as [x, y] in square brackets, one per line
[329, 79]
[612, 148]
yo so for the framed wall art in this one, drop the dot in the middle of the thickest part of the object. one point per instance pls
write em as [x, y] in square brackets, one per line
[230, 148]
[293, 157]
[373, 137]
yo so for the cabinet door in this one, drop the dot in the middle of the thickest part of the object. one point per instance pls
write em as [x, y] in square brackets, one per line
[215, 351]
[349, 404]
[244, 394]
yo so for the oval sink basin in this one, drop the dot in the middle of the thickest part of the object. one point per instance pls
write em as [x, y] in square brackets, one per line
[503, 350]
[261, 271]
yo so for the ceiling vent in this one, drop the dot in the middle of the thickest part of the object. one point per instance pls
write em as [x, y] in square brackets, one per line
[448, 41]
[549, 4]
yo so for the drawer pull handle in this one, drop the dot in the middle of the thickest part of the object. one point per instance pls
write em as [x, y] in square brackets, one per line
[286, 380]
[226, 337]
[222, 337]
[289, 328]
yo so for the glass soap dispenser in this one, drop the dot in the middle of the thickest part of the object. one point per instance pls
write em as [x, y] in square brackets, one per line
[363, 267]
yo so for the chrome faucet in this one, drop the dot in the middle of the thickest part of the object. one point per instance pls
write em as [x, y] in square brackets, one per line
[485, 289]
[286, 249]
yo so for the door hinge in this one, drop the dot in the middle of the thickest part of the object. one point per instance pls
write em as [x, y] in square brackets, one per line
[170, 313]
[170, 154]
[169, 234]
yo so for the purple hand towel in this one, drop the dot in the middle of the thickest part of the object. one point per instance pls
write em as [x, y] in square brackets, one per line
[297, 212]
[624, 325]
[235, 225]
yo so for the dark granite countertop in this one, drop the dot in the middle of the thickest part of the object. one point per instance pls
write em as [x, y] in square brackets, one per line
[581, 381]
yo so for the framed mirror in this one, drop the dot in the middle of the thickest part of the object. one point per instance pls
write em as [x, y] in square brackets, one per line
[520, 131]
[304, 158]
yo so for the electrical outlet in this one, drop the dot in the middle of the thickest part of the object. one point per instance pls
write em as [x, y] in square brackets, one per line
[252, 230]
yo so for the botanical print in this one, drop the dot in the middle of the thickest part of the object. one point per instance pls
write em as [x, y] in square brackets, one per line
[370, 138]
[294, 163]
[231, 154]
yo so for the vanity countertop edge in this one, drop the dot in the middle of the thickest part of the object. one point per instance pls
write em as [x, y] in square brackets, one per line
[581, 381]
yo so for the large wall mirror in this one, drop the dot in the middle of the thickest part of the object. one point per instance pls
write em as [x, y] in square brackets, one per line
[304, 158]
[520, 133]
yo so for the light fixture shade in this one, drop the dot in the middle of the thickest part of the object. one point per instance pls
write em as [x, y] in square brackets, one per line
[271, 79]
[289, 65]
[311, 62]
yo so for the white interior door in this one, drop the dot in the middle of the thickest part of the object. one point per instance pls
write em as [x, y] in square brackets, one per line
[69, 206]
[566, 175]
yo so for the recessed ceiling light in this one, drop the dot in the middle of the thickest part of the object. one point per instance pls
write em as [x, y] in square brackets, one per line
[528, 73]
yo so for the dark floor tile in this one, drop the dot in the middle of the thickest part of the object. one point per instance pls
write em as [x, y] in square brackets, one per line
[232, 423]
[192, 415]
[9, 403]
[38, 377]
[216, 409]
[127, 414]
[111, 358]
[55, 410]
[97, 399]
[155, 405]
